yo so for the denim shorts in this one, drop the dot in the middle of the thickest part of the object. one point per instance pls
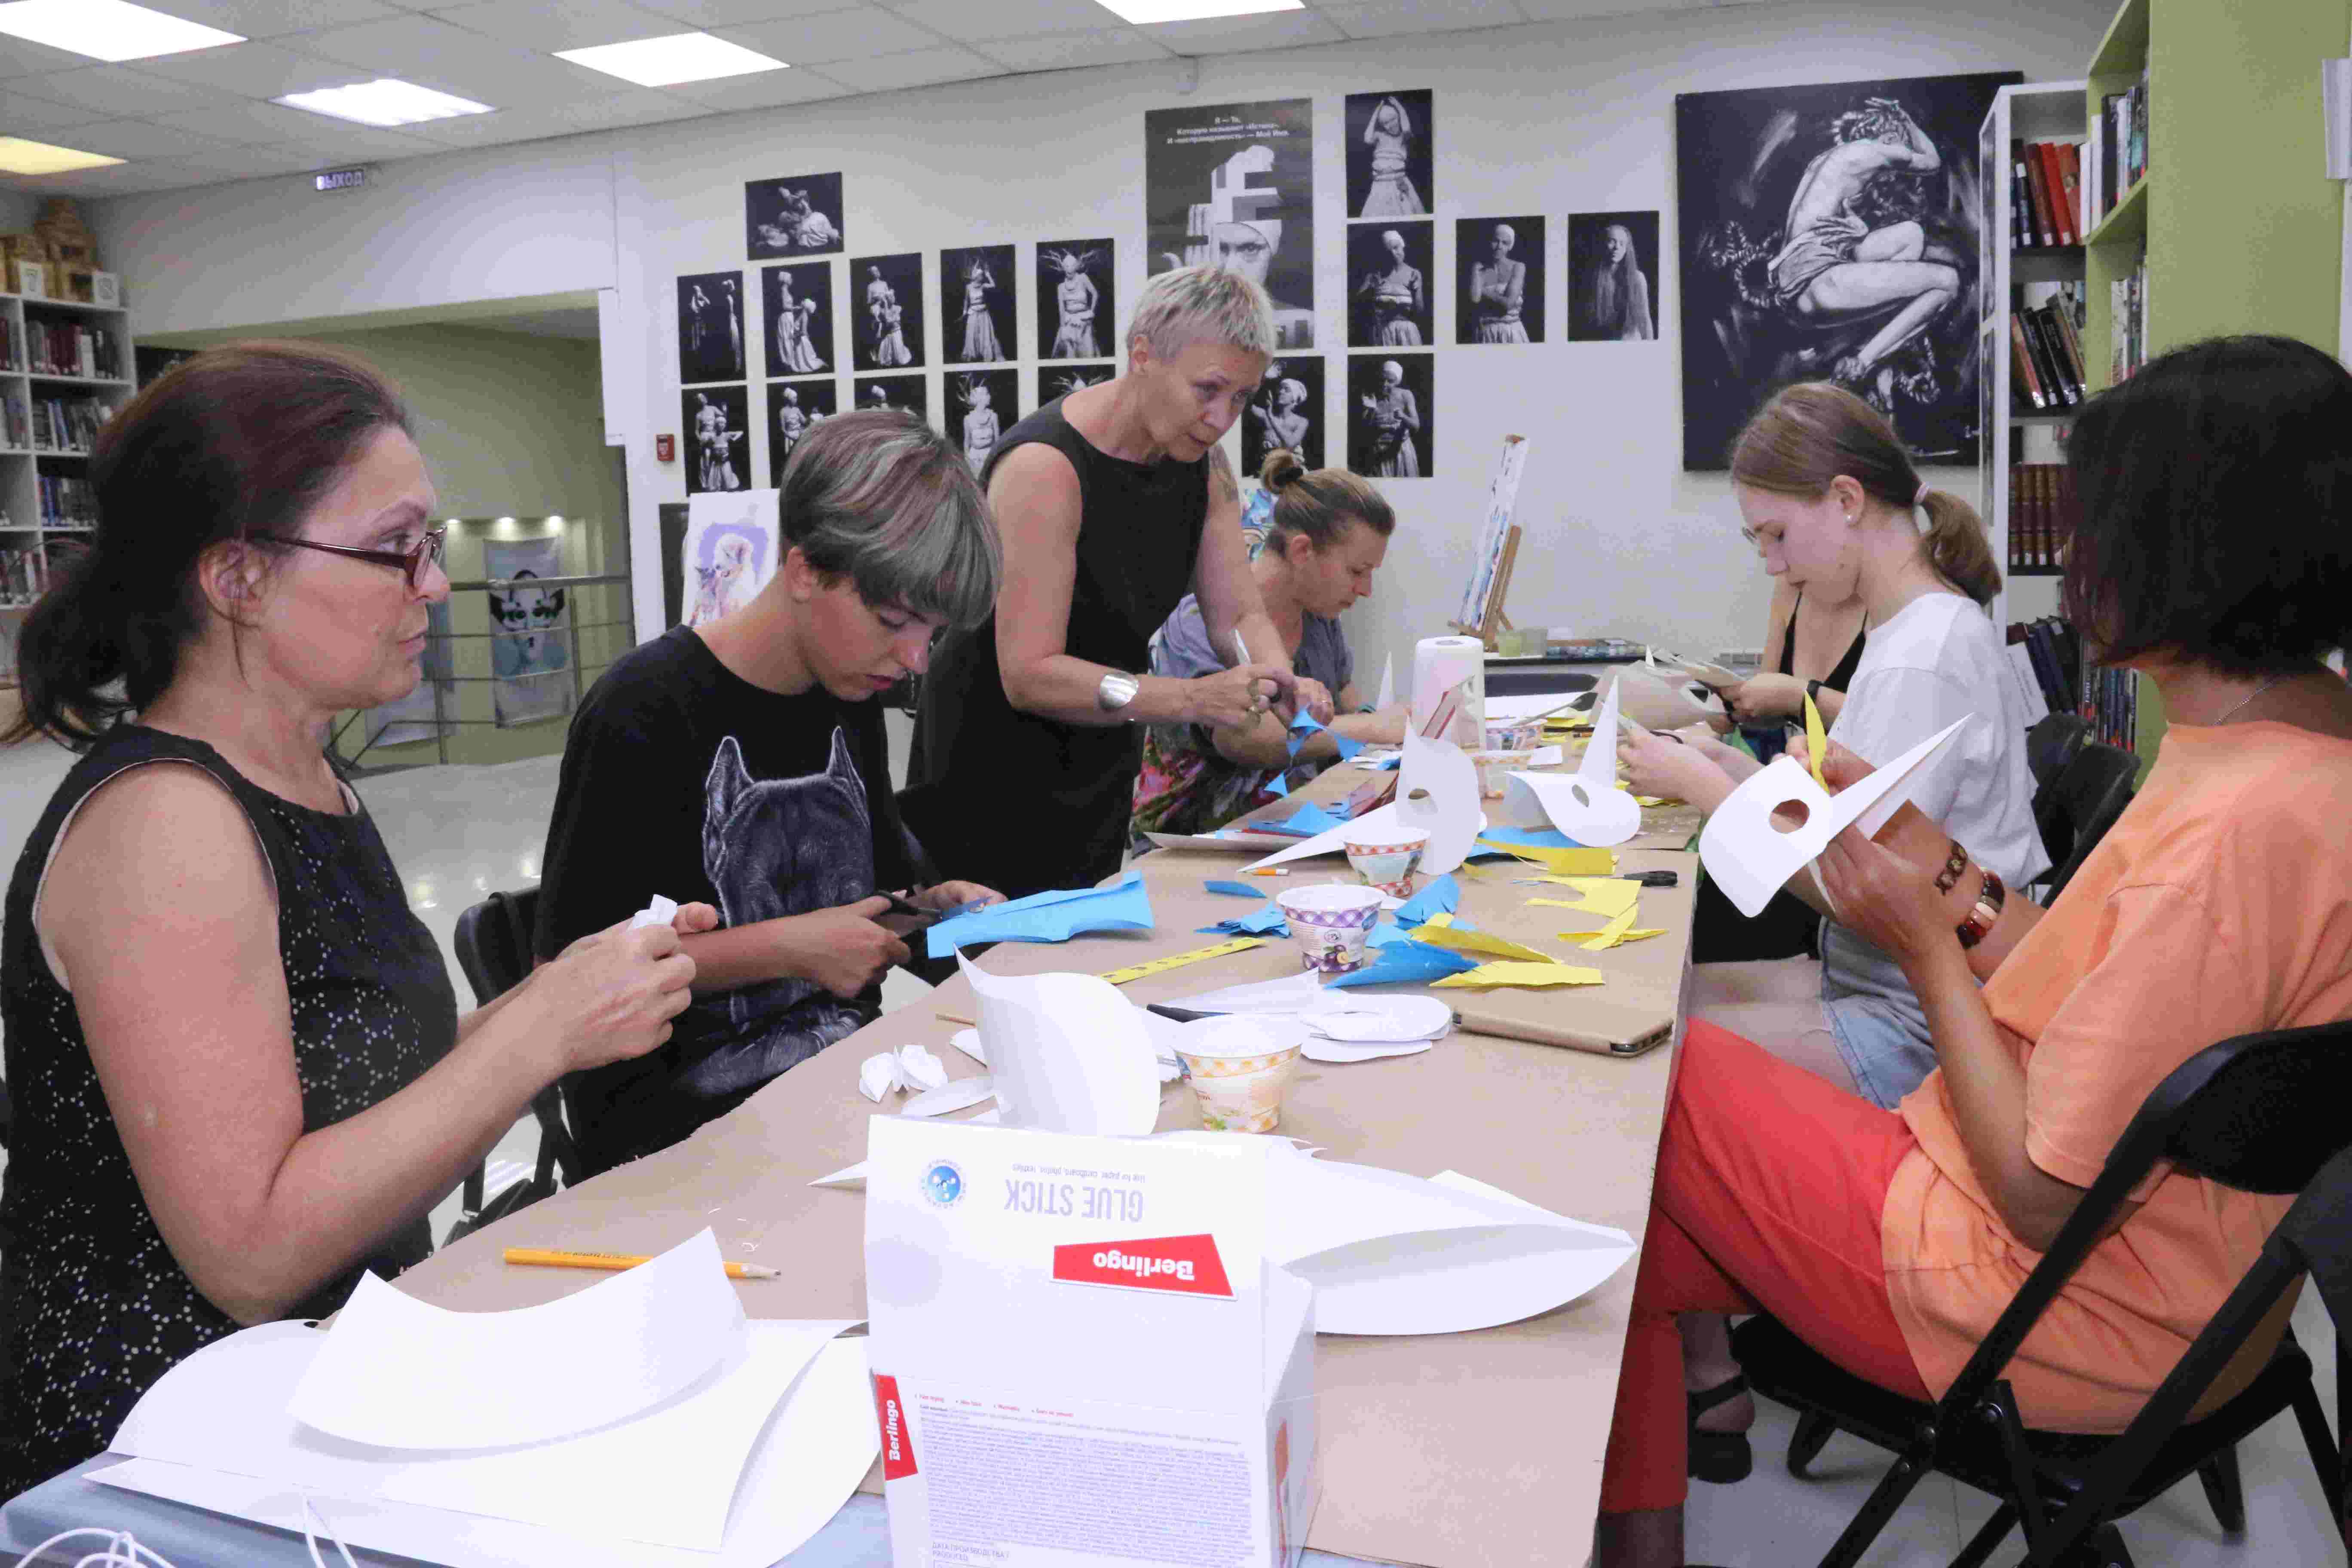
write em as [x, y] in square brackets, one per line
[1882, 1031]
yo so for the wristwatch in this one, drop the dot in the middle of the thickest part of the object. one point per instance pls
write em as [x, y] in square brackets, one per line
[1813, 690]
[1987, 910]
[1115, 690]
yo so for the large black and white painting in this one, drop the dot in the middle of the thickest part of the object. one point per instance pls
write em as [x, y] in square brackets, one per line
[799, 214]
[1078, 309]
[1286, 414]
[1233, 185]
[885, 307]
[1830, 232]
[1613, 277]
[1498, 280]
[976, 306]
[796, 318]
[718, 422]
[1393, 415]
[1392, 171]
[904, 392]
[1389, 270]
[710, 327]
[982, 405]
[794, 409]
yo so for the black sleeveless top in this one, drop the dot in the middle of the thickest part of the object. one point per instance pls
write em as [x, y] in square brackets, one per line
[1023, 804]
[1838, 680]
[93, 1306]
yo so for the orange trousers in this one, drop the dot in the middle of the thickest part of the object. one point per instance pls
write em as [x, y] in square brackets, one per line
[1771, 1185]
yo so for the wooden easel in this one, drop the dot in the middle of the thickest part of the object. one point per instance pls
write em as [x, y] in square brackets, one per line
[1497, 621]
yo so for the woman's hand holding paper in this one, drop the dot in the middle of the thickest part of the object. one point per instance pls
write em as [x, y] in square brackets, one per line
[1886, 897]
[948, 896]
[611, 995]
[1233, 698]
[1762, 697]
[1655, 765]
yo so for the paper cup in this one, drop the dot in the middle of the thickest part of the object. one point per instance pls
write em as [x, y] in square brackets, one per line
[1513, 735]
[1495, 769]
[1387, 862]
[1332, 922]
[1238, 1066]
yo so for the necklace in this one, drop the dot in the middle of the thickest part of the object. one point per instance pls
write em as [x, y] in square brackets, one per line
[2257, 691]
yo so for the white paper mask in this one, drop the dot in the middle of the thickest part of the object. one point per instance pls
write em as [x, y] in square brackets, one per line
[1750, 858]
[1437, 793]
[1067, 1052]
[1587, 805]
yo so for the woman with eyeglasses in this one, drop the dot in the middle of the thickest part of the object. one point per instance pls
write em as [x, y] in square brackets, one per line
[238, 1072]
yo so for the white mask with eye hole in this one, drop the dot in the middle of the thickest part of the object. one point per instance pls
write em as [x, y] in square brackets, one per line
[1586, 805]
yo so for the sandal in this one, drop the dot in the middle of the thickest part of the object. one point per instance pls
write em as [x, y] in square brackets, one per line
[1721, 1458]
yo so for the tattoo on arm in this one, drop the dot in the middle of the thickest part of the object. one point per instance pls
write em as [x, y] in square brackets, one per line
[1222, 486]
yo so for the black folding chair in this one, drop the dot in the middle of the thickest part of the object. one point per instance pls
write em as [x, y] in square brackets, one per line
[2261, 1112]
[494, 948]
[2081, 787]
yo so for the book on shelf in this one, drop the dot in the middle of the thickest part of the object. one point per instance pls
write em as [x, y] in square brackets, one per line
[2029, 175]
[66, 502]
[2026, 373]
[2044, 194]
[2127, 314]
[67, 425]
[2043, 512]
[2115, 155]
[23, 576]
[2061, 200]
[2065, 392]
[74, 348]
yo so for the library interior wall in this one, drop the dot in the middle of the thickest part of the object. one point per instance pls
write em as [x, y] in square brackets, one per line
[1556, 118]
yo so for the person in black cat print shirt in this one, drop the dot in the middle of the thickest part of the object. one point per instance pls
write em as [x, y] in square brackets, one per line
[742, 761]
[239, 1074]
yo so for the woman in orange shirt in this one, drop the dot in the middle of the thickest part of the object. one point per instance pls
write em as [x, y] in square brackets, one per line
[2215, 557]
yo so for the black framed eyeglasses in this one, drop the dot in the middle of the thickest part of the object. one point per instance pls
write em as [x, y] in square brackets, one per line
[413, 561]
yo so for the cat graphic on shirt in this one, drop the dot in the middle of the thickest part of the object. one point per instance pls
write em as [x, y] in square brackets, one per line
[773, 847]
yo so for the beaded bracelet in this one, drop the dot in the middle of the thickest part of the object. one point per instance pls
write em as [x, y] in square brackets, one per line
[1949, 877]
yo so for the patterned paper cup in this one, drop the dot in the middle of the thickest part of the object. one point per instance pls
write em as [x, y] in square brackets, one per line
[1238, 1066]
[1387, 863]
[1332, 923]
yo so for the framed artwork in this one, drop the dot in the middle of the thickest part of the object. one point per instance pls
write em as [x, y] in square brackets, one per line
[794, 407]
[1613, 277]
[1391, 170]
[982, 405]
[718, 425]
[1077, 299]
[796, 214]
[796, 318]
[1390, 266]
[1287, 412]
[1233, 185]
[709, 327]
[976, 309]
[907, 392]
[728, 553]
[885, 304]
[1065, 379]
[530, 632]
[1393, 415]
[1498, 280]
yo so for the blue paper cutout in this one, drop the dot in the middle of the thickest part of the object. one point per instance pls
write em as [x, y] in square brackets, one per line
[1238, 889]
[1304, 823]
[1267, 921]
[1125, 905]
[1534, 837]
[1407, 963]
[1305, 725]
[1443, 895]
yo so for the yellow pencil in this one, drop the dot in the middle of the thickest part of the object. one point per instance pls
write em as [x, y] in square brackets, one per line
[617, 1261]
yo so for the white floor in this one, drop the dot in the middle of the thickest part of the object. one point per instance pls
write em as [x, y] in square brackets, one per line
[457, 833]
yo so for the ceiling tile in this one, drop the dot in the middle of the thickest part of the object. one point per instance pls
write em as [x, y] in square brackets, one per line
[18, 57]
[734, 12]
[1577, 10]
[269, 19]
[123, 92]
[1061, 51]
[1232, 35]
[20, 113]
[762, 89]
[1391, 18]
[115, 180]
[253, 71]
[915, 68]
[337, 140]
[137, 139]
[643, 106]
[247, 123]
[432, 53]
[968, 20]
[246, 162]
[833, 36]
[550, 25]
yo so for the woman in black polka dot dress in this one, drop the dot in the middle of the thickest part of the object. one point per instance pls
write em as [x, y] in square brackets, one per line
[238, 1071]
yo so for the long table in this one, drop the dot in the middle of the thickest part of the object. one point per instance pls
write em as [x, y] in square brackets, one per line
[1470, 1449]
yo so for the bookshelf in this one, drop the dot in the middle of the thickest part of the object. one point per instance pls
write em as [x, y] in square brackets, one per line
[50, 403]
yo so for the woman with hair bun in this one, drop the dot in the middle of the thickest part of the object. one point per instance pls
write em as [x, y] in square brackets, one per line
[1328, 534]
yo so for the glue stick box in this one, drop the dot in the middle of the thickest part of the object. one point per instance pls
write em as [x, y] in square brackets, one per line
[1080, 1355]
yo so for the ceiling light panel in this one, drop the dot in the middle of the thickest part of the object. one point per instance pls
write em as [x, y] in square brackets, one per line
[18, 156]
[107, 29]
[385, 102]
[1194, 10]
[665, 62]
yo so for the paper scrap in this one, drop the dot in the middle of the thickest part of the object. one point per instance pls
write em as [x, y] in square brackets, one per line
[948, 1097]
[1574, 862]
[1459, 939]
[1067, 1052]
[1234, 889]
[1607, 896]
[1486, 977]
[1048, 917]
[1817, 740]
[1307, 821]
[1305, 725]
[1267, 921]
[1619, 929]
[968, 1042]
[659, 912]
[852, 1177]
[1321, 1049]
[1443, 895]
[1548, 757]
[1405, 964]
[912, 1067]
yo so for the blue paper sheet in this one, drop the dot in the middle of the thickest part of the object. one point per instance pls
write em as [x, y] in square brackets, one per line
[1534, 837]
[1125, 905]
[1238, 889]
[1407, 963]
[1305, 822]
[1305, 725]
[1443, 895]
[1267, 921]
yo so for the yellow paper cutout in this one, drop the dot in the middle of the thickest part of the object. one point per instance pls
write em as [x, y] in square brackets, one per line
[1588, 939]
[1605, 895]
[1456, 940]
[1816, 739]
[1487, 975]
[1576, 862]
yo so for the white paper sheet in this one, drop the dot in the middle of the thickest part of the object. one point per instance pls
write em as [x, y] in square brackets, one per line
[660, 911]
[1437, 793]
[849, 1178]
[1392, 1254]
[802, 1468]
[1067, 1052]
[398, 1373]
[953, 1096]
[1750, 858]
[1339, 1053]
[968, 1042]
[1388, 684]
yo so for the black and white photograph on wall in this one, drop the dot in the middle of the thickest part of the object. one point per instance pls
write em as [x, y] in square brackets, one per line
[1233, 185]
[800, 214]
[1613, 277]
[530, 634]
[796, 318]
[1391, 416]
[1498, 280]
[1286, 413]
[1830, 232]
[717, 421]
[1388, 269]
[1065, 379]
[885, 308]
[1391, 170]
[431, 709]
[710, 327]
[982, 405]
[906, 392]
[976, 309]
[1078, 307]
[793, 409]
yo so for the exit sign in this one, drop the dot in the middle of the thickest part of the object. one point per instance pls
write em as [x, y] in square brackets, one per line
[341, 179]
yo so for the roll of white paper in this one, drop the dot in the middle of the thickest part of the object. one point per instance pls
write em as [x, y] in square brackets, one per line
[1449, 690]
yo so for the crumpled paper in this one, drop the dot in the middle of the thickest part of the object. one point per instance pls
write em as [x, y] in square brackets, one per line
[910, 1067]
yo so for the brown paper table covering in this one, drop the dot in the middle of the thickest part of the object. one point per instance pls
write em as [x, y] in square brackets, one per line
[1474, 1449]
